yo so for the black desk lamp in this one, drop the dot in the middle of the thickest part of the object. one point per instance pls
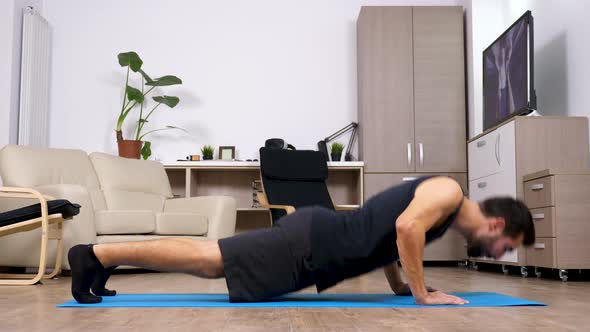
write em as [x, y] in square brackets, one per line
[347, 156]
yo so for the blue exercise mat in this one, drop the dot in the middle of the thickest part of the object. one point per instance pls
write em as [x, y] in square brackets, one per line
[476, 299]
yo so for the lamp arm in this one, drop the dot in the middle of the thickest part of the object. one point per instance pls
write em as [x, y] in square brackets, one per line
[352, 125]
[348, 155]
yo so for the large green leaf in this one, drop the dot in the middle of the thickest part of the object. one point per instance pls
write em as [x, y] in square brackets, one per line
[146, 150]
[130, 59]
[134, 94]
[169, 101]
[146, 77]
[165, 80]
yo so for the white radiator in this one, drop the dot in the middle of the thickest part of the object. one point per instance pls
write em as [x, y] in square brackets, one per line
[34, 80]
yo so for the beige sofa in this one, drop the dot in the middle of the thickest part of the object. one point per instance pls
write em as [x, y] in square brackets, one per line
[122, 200]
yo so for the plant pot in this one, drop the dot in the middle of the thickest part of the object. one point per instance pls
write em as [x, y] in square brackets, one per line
[336, 156]
[129, 148]
[207, 157]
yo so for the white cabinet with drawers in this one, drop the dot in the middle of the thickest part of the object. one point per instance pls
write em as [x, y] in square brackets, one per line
[500, 157]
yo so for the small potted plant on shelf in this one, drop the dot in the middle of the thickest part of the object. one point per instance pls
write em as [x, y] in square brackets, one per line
[207, 152]
[336, 151]
[133, 97]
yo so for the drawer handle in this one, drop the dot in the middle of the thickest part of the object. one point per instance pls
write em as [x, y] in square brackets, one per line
[481, 143]
[539, 246]
[409, 178]
[537, 187]
[482, 184]
[539, 216]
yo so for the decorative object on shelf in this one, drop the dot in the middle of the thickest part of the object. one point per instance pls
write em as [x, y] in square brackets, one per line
[193, 157]
[227, 152]
[347, 156]
[336, 151]
[132, 97]
[256, 188]
[207, 152]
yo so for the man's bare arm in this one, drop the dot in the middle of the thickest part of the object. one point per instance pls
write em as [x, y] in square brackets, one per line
[434, 200]
[394, 277]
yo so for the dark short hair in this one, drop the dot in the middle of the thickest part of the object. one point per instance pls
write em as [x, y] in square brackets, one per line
[516, 215]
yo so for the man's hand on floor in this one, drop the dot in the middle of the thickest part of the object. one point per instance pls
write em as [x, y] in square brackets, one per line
[439, 297]
[403, 289]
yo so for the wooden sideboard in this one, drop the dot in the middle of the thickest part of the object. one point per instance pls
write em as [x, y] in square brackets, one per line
[234, 178]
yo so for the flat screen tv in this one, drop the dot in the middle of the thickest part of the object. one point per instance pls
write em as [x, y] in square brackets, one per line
[508, 74]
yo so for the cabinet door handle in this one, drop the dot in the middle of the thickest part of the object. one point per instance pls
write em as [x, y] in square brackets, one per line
[481, 144]
[409, 154]
[500, 150]
[409, 178]
[539, 216]
[421, 148]
[537, 187]
[497, 149]
[539, 246]
[482, 184]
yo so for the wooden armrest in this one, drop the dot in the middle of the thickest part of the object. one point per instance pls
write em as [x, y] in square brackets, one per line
[13, 192]
[288, 208]
[264, 203]
[31, 224]
[345, 207]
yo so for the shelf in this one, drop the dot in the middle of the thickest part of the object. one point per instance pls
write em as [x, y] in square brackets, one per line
[224, 164]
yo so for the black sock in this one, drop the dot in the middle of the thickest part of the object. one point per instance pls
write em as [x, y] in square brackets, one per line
[100, 281]
[85, 267]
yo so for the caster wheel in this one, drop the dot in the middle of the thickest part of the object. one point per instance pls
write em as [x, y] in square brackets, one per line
[474, 266]
[537, 273]
[563, 275]
[524, 271]
[505, 269]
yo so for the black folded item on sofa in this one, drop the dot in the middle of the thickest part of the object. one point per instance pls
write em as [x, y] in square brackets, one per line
[62, 206]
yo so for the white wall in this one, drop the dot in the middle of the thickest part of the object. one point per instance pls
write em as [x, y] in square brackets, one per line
[251, 69]
[562, 52]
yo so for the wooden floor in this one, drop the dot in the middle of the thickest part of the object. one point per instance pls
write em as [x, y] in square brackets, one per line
[33, 308]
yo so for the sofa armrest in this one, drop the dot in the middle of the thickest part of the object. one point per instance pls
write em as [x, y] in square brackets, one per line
[81, 229]
[220, 211]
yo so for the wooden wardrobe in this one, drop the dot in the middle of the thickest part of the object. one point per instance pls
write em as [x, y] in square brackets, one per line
[411, 101]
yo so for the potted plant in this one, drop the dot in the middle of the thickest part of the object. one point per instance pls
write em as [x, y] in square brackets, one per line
[207, 152]
[336, 151]
[133, 97]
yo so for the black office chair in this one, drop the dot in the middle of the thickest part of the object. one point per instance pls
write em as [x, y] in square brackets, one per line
[293, 179]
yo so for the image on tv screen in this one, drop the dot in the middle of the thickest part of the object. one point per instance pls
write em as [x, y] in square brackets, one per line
[505, 75]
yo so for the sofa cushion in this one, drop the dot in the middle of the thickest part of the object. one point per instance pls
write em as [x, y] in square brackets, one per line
[131, 175]
[126, 200]
[30, 167]
[110, 222]
[180, 223]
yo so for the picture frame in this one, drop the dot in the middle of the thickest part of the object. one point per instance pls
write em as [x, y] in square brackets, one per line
[227, 152]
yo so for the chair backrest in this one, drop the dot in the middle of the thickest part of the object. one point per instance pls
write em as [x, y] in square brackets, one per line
[26, 166]
[294, 177]
[131, 184]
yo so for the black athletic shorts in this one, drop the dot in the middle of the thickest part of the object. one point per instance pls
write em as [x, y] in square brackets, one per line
[263, 264]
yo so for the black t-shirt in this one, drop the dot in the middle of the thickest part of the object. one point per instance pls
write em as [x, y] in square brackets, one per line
[345, 245]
